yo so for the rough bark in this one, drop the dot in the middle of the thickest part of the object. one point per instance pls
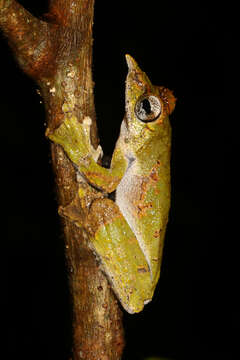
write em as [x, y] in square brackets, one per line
[57, 53]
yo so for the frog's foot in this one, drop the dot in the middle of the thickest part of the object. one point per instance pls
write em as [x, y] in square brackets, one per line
[78, 209]
[73, 211]
[74, 137]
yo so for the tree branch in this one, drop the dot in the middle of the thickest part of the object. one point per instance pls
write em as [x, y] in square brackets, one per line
[58, 55]
[28, 37]
[71, 13]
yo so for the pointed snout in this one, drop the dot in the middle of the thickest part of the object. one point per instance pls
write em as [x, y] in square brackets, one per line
[137, 80]
[132, 64]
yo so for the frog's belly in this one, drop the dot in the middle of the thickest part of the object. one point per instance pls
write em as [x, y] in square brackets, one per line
[128, 196]
[144, 202]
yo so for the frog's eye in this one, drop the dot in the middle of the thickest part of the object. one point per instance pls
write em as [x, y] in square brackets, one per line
[148, 108]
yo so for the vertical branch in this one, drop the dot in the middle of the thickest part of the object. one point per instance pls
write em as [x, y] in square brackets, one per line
[58, 55]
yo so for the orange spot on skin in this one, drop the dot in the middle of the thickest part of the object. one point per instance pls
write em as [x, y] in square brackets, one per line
[100, 179]
[142, 208]
[154, 175]
[157, 233]
[132, 240]
[140, 205]
[154, 171]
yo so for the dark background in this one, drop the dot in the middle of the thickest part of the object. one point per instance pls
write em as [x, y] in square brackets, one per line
[180, 46]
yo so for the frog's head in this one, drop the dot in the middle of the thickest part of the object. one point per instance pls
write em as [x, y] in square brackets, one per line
[147, 106]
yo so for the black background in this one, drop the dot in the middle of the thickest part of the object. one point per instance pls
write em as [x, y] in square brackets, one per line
[182, 47]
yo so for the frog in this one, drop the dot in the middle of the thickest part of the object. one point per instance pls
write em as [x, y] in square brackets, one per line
[124, 208]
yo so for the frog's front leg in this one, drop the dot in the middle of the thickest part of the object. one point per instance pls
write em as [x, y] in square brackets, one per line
[74, 137]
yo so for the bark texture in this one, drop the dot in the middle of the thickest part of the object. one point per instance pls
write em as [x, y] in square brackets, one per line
[57, 53]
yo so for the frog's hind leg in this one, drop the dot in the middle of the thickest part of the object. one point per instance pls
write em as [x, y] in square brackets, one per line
[114, 244]
[121, 257]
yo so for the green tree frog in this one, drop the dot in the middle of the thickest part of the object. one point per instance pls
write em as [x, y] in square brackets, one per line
[126, 234]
